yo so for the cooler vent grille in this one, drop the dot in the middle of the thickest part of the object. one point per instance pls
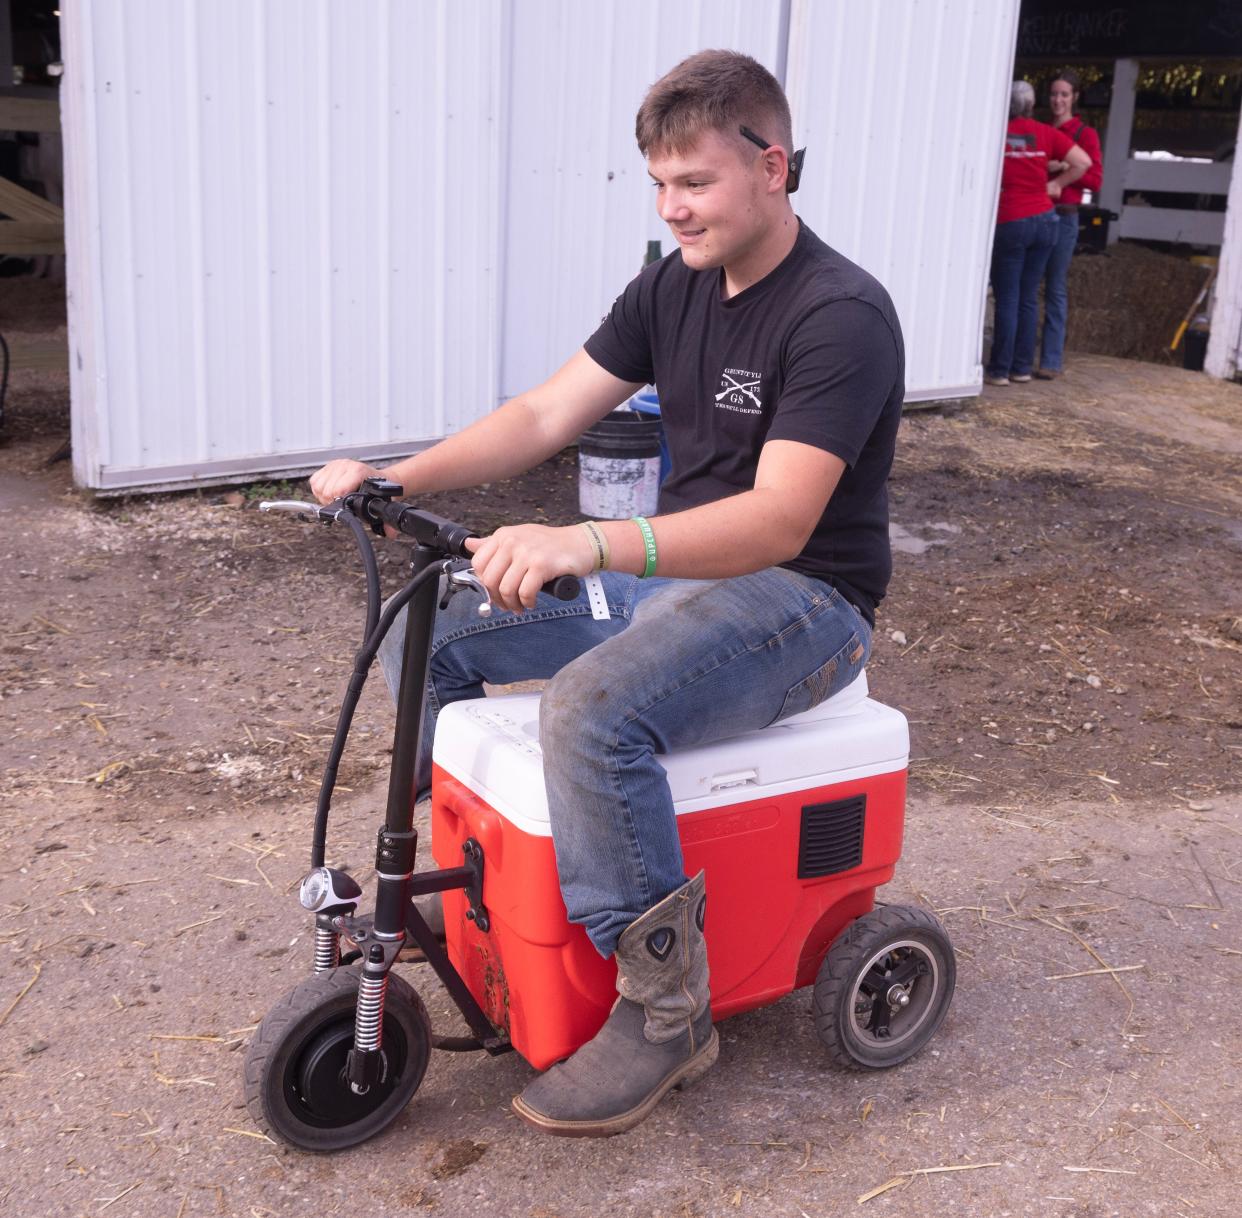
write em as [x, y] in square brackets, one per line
[831, 839]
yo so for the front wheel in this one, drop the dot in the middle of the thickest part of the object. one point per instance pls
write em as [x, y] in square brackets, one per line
[295, 1082]
[884, 987]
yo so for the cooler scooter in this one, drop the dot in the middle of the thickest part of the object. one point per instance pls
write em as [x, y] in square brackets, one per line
[808, 813]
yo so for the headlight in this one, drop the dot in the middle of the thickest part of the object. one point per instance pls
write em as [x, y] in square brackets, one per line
[315, 887]
[326, 890]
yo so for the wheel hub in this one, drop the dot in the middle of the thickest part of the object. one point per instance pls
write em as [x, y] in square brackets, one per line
[316, 1084]
[894, 993]
[898, 996]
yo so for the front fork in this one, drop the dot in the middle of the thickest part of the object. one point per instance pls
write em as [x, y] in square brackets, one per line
[394, 865]
[398, 839]
[396, 885]
[380, 952]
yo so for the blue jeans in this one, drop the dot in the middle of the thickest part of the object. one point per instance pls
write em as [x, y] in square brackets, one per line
[1020, 253]
[1056, 293]
[680, 663]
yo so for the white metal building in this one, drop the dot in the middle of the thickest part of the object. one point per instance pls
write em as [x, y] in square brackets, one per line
[303, 228]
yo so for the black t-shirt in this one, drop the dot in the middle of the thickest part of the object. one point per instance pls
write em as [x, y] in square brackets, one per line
[812, 352]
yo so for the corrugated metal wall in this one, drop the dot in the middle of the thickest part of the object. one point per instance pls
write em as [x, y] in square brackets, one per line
[286, 240]
[580, 206]
[304, 227]
[903, 107]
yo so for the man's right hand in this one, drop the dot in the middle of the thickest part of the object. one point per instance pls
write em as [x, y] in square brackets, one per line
[340, 477]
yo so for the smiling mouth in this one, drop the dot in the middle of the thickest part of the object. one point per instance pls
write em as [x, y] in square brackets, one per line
[688, 236]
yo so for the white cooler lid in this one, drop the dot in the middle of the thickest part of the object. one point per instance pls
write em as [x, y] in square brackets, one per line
[492, 746]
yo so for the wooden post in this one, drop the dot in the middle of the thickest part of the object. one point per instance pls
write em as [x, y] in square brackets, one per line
[1224, 350]
[1117, 139]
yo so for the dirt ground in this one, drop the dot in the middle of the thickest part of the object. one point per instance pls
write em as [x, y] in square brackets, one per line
[1064, 632]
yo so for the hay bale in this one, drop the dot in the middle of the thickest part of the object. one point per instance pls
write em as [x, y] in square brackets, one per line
[1130, 301]
[31, 306]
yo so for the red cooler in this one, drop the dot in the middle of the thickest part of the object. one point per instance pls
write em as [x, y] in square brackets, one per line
[795, 826]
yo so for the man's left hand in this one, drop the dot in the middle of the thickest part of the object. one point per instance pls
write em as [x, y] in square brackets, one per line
[517, 560]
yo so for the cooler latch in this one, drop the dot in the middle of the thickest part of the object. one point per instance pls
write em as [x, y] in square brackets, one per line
[474, 889]
[738, 778]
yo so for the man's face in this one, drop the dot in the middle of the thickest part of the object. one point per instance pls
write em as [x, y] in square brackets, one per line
[712, 198]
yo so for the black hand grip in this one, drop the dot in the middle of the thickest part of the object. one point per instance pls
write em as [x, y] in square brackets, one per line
[563, 587]
[453, 537]
[426, 528]
[431, 530]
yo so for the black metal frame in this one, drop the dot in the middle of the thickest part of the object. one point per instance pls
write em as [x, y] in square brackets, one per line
[380, 939]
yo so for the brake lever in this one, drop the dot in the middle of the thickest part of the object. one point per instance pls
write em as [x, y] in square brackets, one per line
[300, 508]
[461, 578]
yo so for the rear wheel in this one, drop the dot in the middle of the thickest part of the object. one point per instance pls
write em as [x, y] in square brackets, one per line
[884, 987]
[295, 1083]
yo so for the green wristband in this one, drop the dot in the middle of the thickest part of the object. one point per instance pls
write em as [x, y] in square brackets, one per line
[649, 546]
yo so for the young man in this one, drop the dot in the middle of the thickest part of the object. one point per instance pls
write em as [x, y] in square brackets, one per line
[748, 598]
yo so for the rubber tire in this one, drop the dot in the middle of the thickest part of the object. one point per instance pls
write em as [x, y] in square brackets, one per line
[294, 1023]
[842, 969]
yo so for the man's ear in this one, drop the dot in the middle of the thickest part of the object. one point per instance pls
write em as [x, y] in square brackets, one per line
[773, 164]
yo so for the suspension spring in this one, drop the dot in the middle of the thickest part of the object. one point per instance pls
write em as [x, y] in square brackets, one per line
[327, 949]
[368, 1024]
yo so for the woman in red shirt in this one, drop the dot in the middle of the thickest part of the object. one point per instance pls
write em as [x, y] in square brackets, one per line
[1062, 98]
[1026, 230]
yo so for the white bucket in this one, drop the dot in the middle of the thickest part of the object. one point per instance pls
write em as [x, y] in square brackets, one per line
[619, 467]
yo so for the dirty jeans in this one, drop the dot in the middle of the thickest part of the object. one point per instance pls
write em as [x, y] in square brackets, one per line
[680, 663]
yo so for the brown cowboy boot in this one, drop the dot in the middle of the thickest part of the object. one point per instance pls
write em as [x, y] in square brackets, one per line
[658, 1036]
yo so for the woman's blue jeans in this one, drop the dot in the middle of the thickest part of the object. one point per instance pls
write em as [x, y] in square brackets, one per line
[680, 663]
[1056, 293]
[1020, 253]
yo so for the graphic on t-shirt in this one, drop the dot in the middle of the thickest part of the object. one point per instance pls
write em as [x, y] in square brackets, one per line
[739, 391]
[1021, 144]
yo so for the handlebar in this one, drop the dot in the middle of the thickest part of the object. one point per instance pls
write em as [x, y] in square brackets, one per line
[374, 504]
[440, 543]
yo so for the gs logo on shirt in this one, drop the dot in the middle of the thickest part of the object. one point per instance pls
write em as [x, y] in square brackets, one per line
[740, 390]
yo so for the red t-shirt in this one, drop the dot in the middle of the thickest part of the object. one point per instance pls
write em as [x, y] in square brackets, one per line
[1086, 139]
[1029, 146]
